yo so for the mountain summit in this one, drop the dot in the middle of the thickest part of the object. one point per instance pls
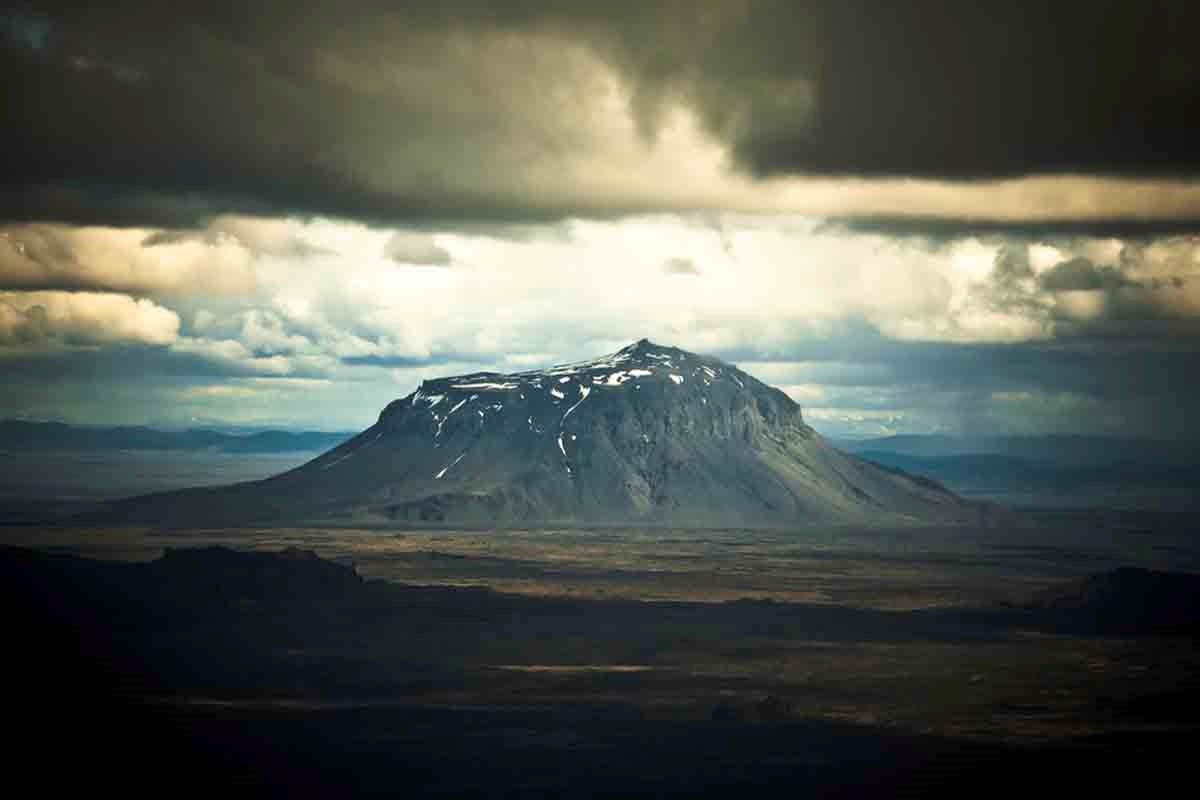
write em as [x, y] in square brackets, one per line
[648, 434]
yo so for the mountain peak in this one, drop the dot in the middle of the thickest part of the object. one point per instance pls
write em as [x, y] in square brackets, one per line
[642, 362]
[640, 344]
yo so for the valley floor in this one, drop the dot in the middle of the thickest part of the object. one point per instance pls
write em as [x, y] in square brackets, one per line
[841, 661]
[882, 568]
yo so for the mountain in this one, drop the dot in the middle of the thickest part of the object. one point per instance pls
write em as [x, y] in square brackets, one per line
[649, 434]
[25, 436]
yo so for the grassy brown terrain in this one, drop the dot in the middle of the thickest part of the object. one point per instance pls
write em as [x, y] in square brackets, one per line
[604, 662]
[911, 629]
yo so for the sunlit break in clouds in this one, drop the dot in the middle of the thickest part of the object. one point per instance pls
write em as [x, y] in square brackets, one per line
[291, 214]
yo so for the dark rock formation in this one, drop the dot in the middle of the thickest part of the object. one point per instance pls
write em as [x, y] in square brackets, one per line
[1128, 600]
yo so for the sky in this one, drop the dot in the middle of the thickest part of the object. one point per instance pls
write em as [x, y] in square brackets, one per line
[921, 217]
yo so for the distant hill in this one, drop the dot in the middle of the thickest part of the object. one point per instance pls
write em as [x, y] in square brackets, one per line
[1048, 471]
[989, 469]
[1061, 449]
[24, 436]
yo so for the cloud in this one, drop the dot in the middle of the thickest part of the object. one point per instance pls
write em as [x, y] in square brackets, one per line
[1080, 274]
[996, 112]
[907, 332]
[233, 357]
[264, 332]
[680, 266]
[981, 90]
[419, 249]
[219, 390]
[32, 319]
[285, 238]
[122, 259]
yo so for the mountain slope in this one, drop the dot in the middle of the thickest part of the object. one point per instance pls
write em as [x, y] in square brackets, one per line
[650, 434]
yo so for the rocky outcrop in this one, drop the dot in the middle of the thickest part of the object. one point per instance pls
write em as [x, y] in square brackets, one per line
[1127, 600]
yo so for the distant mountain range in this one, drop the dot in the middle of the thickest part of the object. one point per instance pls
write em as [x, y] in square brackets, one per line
[647, 434]
[1051, 469]
[1062, 449]
[24, 436]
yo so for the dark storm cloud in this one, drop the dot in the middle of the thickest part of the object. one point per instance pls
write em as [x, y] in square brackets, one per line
[122, 364]
[25, 29]
[284, 245]
[947, 229]
[1143, 386]
[1107, 366]
[1080, 274]
[407, 362]
[361, 112]
[137, 112]
[971, 90]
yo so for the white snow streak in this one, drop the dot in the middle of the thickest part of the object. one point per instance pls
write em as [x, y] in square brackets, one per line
[485, 385]
[564, 452]
[615, 379]
[584, 391]
[451, 464]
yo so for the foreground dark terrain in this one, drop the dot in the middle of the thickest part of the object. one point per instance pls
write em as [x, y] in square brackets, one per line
[656, 662]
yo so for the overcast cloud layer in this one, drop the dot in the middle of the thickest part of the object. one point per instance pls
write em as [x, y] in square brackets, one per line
[937, 216]
[468, 109]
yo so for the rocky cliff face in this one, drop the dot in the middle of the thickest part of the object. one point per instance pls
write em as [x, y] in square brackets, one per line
[649, 433]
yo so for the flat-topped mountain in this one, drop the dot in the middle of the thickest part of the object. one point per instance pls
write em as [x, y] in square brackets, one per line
[647, 434]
